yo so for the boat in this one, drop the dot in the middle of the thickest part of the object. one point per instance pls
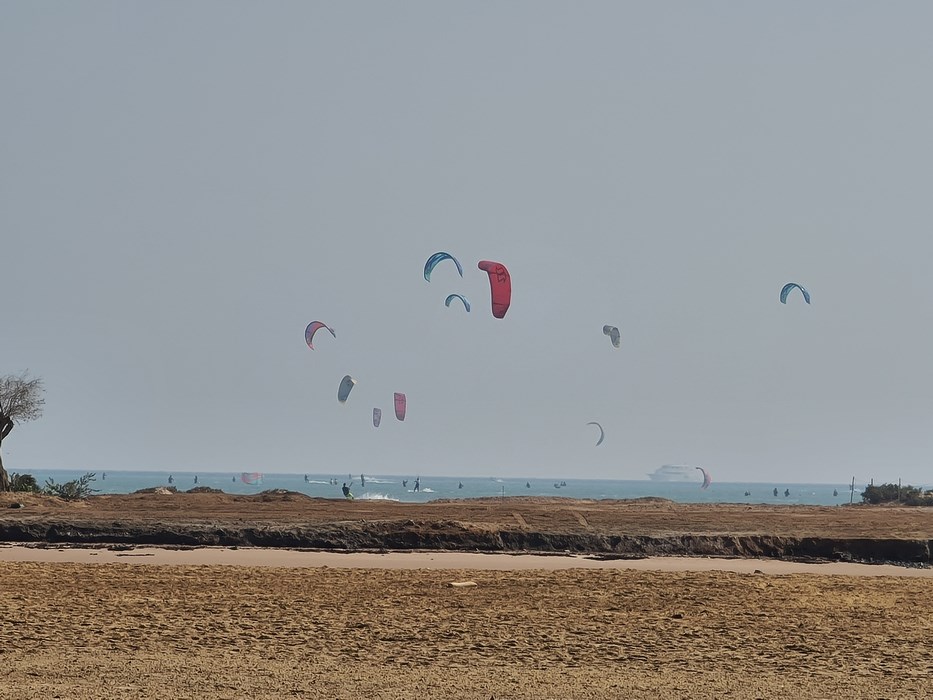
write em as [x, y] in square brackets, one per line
[674, 472]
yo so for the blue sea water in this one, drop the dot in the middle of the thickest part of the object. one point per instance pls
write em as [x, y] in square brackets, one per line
[391, 487]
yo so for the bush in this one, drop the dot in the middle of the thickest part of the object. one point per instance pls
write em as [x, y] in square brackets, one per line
[75, 490]
[23, 483]
[892, 493]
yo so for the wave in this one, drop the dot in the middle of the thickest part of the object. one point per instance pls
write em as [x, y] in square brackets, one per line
[376, 497]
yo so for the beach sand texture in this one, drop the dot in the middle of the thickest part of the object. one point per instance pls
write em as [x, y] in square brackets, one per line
[82, 631]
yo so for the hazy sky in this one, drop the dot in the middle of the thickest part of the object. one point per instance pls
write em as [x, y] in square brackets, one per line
[184, 186]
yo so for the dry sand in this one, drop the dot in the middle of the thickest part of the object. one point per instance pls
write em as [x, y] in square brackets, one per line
[281, 624]
[129, 631]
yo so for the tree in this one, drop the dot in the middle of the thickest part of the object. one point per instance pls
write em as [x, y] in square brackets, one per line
[20, 401]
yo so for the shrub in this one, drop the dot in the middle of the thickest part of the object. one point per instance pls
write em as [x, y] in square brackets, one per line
[23, 483]
[75, 490]
[892, 493]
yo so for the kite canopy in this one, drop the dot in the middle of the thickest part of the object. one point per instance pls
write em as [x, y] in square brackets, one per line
[466, 303]
[613, 334]
[313, 328]
[602, 433]
[377, 417]
[435, 259]
[346, 386]
[500, 286]
[707, 479]
[401, 404]
[789, 287]
[251, 478]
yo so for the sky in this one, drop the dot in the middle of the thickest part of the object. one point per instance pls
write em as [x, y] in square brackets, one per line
[185, 186]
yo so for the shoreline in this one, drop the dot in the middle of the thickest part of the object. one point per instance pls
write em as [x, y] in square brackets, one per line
[433, 560]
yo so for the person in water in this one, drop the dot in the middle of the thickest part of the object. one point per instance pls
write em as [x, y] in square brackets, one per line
[362, 481]
[404, 483]
[460, 485]
[786, 493]
[346, 492]
[775, 490]
[171, 479]
[417, 484]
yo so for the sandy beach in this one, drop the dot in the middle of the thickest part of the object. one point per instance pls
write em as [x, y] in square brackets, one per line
[125, 620]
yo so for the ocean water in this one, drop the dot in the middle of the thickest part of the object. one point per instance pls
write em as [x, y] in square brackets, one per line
[394, 488]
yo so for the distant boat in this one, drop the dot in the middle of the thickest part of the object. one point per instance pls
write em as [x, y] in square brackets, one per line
[674, 472]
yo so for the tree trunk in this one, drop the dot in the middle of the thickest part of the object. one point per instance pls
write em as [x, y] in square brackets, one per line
[4, 477]
[6, 425]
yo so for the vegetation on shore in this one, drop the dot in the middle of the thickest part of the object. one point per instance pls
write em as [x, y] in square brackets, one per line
[895, 493]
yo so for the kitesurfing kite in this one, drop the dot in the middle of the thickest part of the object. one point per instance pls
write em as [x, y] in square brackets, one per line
[500, 286]
[707, 479]
[346, 386]
[613, 334]
[788, 288]
[602, 433]
[251, 478]
[466, 303]
[313, 328]
[377, 417]
[435, 259]
[401, 404]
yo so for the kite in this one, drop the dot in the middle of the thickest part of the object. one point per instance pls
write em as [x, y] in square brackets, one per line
[788, 288]
[377, 417]
[313, 328]
[346, 386]
[500, 286]
[435, 259]
[602, 434]
[707, 479]
[466, 302]
[613, 334]
[401, 404]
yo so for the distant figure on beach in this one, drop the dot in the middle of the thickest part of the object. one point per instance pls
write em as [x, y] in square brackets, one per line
[362, 481]
[171, 479]
[775, 491]
[460, 486]
[786, 493]
[346, 492]
[417, 484]
[195, 478]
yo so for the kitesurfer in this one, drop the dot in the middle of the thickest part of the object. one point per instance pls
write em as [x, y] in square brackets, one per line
[786, 493]
[362, 481]
[417, 484]
[775, 491]
[171, 479]
[346, 492]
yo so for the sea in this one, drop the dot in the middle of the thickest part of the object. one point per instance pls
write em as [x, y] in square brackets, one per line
[390, 487]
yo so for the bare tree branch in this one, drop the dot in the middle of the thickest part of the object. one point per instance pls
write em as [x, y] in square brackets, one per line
[20, 398]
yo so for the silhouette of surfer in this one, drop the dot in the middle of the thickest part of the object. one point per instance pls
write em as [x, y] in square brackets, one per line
[417, 484]
[346, 491]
